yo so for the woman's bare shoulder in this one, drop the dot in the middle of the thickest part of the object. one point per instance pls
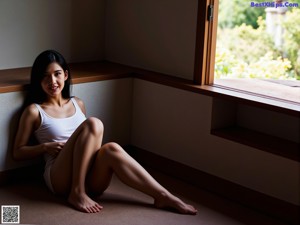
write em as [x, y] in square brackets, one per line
[30, 117]
[78, 100]
[81, 104]
[31, 112]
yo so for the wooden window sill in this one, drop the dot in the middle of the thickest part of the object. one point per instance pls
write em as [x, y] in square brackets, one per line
[280, 90]
[220, 91]
[256, 100]
[17, 79]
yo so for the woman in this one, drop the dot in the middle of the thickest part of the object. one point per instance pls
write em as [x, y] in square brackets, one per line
[77, 164]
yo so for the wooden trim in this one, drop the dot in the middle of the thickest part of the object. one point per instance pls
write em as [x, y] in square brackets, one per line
[263, 94]
[18, 79]
[256, 101]
[201, 42]
[285, 148]
[269, 103]
[211, 51]
[274, 207]
[205, 43]
[14, 79]
[99, 71]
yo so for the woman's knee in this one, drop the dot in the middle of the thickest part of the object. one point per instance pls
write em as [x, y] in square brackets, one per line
[112, 155]
[112, 149]
[94, 125]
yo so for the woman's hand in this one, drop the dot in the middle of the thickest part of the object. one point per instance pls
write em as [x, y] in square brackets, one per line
[53, 148]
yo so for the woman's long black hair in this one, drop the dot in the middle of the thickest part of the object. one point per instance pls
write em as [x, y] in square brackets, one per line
[35, 92]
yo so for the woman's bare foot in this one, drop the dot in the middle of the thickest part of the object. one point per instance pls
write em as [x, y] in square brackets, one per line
[170, 201]
[84, 203]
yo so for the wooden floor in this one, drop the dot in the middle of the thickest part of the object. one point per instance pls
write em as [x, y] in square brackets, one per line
[123, 205]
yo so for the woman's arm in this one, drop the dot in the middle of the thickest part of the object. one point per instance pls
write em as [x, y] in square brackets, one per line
[28, 123]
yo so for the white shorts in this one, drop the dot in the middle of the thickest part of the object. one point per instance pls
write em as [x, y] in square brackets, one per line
[47, 176]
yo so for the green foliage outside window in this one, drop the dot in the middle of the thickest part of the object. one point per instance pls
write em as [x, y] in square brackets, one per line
[291, 44]
[246, 50]
[236, 12]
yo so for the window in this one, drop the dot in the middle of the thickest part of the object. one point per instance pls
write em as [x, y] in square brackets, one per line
[244, 90]
[243, 105]
[253, 47]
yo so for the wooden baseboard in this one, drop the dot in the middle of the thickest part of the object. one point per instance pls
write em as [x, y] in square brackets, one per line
[274, 207]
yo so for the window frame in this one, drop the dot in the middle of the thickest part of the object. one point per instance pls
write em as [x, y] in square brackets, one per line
[205, 43]
[227, 126]
[205, 50]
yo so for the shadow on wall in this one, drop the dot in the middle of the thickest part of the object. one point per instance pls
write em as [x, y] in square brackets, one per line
[12, 131]
[87, 30]
[111, 102]
[13, 124]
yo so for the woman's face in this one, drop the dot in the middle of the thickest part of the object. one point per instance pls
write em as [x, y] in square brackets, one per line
[54, 80]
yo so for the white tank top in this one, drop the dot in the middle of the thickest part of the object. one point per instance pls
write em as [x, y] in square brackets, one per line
[57, 129]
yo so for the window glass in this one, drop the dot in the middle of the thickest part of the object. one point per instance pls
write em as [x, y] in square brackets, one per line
[259, 42]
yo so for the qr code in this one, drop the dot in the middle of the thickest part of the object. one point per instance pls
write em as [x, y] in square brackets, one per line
[10, 214]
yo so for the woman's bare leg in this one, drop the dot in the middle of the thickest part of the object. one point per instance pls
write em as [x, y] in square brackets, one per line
[68, 173]
[112, 158]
